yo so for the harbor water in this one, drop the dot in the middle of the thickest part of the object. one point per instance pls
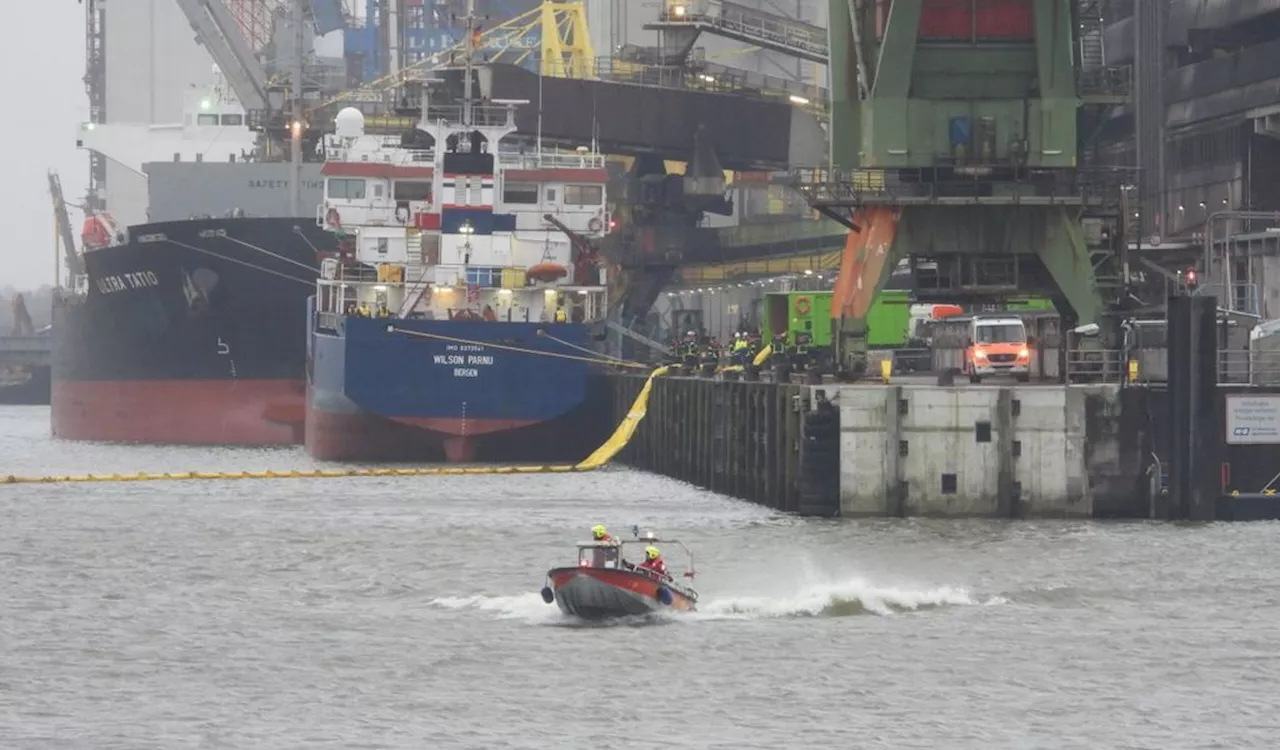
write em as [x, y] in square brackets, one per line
[404, 613]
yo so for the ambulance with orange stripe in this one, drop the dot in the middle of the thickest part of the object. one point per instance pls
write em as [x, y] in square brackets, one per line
[997, 346]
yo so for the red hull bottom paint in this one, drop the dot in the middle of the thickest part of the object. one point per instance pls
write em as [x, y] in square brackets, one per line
[365, 437]
[460, 435]
[184, 412]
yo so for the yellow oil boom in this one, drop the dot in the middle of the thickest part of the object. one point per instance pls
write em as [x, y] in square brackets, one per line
[597, 460]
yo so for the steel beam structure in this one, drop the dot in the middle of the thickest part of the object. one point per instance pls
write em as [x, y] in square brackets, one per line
[681, 22]
[95, 82]
[216, 29]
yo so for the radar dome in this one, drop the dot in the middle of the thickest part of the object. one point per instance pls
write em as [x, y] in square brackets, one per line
[349, 123]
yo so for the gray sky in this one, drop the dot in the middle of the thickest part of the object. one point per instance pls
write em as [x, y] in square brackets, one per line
[42, 64]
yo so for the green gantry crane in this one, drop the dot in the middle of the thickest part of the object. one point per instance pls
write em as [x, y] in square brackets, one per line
[956, 131]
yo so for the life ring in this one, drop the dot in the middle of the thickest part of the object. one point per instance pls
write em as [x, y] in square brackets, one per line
[596, 224]
[332, 218]
[802, 306]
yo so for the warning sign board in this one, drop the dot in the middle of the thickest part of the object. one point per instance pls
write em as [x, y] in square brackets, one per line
[1253, 420]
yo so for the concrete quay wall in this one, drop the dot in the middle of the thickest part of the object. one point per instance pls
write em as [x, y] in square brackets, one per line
[1003, 452]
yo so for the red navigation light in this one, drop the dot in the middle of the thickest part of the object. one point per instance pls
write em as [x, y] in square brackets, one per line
[1192, 278]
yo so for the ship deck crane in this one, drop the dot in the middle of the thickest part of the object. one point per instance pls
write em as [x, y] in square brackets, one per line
[75, 264]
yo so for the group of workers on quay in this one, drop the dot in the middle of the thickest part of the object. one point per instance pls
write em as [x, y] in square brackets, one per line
[740, 351]
[701, 352]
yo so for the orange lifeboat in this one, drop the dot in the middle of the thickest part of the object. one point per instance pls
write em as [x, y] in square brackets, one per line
[547, 272]
[94, 233]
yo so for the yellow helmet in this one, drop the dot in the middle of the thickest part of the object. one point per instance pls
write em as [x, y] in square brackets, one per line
[599, 531]
[653, 553]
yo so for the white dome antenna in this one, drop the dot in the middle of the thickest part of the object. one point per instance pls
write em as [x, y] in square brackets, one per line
[348, 123]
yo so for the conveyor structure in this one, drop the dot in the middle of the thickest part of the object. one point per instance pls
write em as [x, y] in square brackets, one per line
[218, 31]
[683, 21]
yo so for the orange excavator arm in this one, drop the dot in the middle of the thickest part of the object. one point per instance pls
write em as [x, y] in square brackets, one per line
[862, 264]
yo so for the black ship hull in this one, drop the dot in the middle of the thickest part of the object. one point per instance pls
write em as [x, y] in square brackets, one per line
[191, 332]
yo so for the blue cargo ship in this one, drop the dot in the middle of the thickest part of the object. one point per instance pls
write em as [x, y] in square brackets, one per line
[462, 308]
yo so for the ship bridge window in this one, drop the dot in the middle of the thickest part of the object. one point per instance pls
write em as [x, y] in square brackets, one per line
[346, 189]
[412, 191]
[233, 119]
[583, 195]
[519, 193]
[484, 276]
[206, 119]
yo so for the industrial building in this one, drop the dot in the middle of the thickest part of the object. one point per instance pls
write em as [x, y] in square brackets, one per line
[1204, 128]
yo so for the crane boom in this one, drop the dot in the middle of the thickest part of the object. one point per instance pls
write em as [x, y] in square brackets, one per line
[217, 31]
[75, 265]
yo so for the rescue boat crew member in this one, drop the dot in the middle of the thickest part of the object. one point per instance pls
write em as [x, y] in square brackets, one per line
[600, 534]
[653, 562]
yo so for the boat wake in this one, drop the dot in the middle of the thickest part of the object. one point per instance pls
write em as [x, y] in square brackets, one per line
[854, 596]
[529, 607]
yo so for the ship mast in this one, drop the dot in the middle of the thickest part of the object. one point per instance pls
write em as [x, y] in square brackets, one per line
[296, 108]
[471, 50]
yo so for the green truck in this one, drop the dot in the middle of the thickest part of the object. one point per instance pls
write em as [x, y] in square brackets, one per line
[889, 324]
[889, 320]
